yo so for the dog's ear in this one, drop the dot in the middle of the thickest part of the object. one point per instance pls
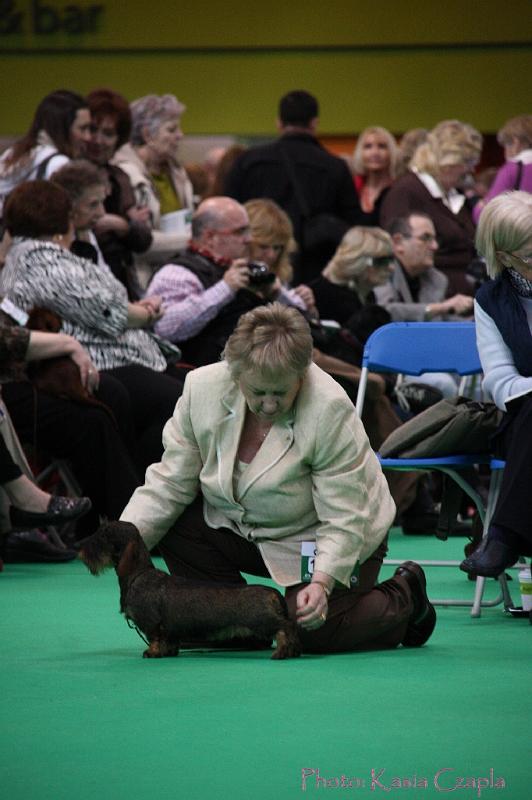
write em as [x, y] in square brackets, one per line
[128, 559]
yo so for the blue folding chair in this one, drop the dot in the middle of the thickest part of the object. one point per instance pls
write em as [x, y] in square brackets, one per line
[413, 348]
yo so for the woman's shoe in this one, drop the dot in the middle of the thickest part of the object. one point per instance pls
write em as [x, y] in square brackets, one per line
[423, 619]
[34, 547]
[59, 511]
[490, 559]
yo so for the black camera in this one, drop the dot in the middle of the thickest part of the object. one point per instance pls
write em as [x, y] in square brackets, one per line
[259, 274]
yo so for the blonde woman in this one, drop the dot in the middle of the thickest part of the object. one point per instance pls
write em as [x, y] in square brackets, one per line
[374, 164]
[272, 242]
[363, 260]
[452, 149]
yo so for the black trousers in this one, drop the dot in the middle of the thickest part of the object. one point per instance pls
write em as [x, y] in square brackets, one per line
[369, 617]
[152, 398]
[514, 444]
[87, 436]
[9, 471]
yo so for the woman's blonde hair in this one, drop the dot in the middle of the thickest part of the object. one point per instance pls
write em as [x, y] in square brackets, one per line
[355, 252]
[271, 339]
[505, 225]
[358, 163]
[450, 142]
[271, 225]
[517, 128]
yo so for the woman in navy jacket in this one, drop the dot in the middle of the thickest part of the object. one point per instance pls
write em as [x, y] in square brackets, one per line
[503, 315]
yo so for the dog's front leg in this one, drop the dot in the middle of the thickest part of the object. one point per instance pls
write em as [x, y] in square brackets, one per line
[287, 641]
[161, 648]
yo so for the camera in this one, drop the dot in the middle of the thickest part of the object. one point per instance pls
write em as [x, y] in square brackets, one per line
[259, 274]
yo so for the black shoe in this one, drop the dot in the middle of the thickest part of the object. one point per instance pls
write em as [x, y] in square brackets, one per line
[426, 523]
[490, 559]
[60, 510]
[423, 619]
[34, 546]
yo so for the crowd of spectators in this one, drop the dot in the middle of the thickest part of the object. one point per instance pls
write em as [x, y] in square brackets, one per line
[147, 266]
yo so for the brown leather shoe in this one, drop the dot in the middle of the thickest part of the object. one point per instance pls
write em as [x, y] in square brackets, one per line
[423, 619]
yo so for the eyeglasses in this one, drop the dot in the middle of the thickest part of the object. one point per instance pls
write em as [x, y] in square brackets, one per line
[242, 231]
[425, 237]
[526, 260]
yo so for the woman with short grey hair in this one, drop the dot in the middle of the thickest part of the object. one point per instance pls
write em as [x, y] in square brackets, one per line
[503, 316]
[159, 181]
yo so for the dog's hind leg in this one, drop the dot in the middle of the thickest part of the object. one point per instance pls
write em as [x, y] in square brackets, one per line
[287, 641]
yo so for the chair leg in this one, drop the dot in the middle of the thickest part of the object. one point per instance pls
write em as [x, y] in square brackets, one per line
[479, 592]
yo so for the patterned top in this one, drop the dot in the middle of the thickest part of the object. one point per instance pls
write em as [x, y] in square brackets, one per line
[91, 302]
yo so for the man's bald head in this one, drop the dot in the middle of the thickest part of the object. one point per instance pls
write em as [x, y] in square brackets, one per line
[222, 225]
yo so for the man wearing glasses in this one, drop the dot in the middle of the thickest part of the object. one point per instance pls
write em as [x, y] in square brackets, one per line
[416, 289]
[203, 290]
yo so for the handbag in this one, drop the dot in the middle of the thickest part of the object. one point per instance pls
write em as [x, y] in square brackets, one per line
[318, 230]
[454, 425]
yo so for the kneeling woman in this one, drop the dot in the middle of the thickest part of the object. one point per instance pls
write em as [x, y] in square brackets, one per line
[264, 452]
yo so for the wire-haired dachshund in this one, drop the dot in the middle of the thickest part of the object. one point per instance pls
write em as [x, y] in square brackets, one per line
[168, 609]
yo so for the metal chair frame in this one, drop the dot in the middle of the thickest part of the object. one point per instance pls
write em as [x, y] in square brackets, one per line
[414, 348]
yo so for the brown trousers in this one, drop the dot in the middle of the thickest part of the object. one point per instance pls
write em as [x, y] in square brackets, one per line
[369, 617]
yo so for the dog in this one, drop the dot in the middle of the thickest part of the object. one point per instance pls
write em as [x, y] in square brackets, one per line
[60, 375]
[168, 609]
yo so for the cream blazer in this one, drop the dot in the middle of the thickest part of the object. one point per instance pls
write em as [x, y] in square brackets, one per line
[315, 477]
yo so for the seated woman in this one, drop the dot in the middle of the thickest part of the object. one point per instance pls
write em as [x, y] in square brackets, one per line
[60, 131]
[516, 138]
[41, 271]
[451, 151]
[124, 229]
[272, 242]
[85, 435]
[158, 180]
[264, 453]
[503, 316]
[363, 260]
[374, 162]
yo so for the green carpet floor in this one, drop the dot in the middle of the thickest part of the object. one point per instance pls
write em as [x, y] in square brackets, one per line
[84, 716]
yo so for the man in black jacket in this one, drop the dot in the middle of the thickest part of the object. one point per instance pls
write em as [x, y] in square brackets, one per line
[302, 177]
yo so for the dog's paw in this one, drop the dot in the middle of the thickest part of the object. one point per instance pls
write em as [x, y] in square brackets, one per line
[150, 654]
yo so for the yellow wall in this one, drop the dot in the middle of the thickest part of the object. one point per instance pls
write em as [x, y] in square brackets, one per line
[399, 63]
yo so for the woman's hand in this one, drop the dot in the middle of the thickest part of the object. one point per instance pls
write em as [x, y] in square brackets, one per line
[307, 295]
[112, 222]
[90, 377]
[154, 305]
[144, 312]
[311, 603]
[139, 214]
